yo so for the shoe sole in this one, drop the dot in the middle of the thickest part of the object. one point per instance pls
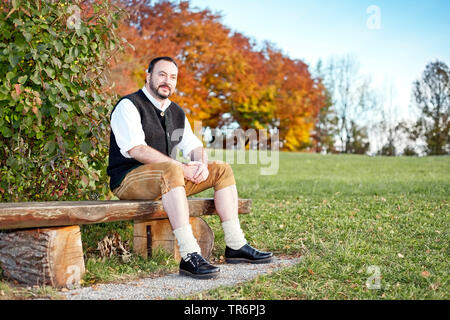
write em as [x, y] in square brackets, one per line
[243, 260]
[200, 276]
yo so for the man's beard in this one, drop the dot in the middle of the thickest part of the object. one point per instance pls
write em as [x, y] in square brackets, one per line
[154, 89]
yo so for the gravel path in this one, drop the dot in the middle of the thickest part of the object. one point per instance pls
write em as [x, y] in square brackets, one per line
[174, 285]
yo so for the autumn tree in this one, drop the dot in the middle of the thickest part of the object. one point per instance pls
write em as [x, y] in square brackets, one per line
[432, 97]
[352, 98]
[223, 79]
[386, 132]
[358, 141]
[208, 66]
[326, 126]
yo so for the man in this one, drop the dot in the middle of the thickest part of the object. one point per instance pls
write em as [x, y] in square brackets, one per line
[146, 130]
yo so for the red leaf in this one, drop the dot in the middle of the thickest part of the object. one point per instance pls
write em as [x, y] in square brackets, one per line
[425, 274]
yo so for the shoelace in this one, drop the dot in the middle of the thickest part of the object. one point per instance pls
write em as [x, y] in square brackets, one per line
[195, 259]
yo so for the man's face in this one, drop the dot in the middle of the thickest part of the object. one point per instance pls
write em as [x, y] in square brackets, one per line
[163, 79]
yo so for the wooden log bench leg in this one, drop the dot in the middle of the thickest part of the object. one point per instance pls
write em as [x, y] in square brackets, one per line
[149, 235]
[44, 256]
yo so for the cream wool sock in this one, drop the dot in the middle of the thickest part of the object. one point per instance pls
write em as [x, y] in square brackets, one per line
[186, 241]
[234, 237]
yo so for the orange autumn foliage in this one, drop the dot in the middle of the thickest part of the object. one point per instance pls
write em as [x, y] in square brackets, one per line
[223, 78]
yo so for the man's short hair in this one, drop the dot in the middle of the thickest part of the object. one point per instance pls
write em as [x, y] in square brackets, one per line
[155, 61]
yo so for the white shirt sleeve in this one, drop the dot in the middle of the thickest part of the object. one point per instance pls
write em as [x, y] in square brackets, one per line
[126, 126]
[189, 141]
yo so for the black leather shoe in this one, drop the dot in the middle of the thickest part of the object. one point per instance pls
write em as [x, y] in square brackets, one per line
[197, 267]
[247, 254]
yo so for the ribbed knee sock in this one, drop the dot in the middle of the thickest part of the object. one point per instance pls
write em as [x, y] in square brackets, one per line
[234, 237]
[186, 241]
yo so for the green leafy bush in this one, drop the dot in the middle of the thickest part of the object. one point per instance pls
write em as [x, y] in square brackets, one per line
[54, 102]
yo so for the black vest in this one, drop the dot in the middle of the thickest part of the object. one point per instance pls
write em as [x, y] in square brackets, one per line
[156, 136]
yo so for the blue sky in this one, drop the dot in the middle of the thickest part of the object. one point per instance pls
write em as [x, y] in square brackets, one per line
[410, 34]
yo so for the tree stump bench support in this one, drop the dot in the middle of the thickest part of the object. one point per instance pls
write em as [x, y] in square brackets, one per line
[40, 242]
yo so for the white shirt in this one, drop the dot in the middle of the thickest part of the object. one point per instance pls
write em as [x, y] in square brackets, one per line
[127, 128]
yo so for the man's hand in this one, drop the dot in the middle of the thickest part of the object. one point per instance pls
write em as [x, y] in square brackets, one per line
[196, 171]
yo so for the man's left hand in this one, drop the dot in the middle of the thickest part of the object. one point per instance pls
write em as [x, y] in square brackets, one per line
[202, 172]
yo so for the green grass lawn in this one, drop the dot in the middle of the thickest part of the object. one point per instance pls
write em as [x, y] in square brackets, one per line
[352, 218]
[346, 213]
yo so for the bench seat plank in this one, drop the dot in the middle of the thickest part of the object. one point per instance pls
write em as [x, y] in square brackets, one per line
[19, 215]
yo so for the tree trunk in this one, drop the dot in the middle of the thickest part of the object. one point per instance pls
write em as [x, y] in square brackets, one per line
[50, 256]
[149, 235]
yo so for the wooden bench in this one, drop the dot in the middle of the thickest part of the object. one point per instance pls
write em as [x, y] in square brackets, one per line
[40, 242]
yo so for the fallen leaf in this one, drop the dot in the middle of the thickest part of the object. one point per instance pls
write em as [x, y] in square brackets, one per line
[434, 286]
[425, 274]
[311, 272]
[400, 255]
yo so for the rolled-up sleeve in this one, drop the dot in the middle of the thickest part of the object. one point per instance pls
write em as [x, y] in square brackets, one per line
[126, 126]
[189, 141]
